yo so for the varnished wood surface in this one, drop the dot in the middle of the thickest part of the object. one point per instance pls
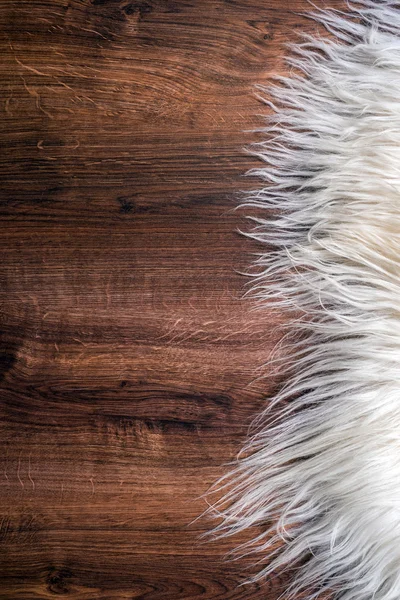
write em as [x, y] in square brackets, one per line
[128, 360]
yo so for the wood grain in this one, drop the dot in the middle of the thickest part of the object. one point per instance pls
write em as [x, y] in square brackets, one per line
[128, 358]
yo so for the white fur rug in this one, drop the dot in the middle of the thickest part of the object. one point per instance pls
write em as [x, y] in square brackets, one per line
[323, 478]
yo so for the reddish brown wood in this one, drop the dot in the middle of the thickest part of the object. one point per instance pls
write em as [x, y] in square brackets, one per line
[129, 361]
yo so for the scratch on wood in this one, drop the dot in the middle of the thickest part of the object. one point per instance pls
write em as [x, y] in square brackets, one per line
[18, 472]
[29, 473]
[5, 470]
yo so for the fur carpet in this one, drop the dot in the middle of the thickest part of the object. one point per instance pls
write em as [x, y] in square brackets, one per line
[321, 475]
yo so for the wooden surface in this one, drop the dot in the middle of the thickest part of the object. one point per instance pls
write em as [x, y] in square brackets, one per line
[128, 358]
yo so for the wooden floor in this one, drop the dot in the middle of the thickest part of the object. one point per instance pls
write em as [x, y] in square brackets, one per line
[128, 358]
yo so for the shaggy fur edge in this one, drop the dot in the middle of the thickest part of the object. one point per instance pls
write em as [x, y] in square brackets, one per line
[323, 478]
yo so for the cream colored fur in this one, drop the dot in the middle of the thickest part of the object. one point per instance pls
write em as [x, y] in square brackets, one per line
[322, 478]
